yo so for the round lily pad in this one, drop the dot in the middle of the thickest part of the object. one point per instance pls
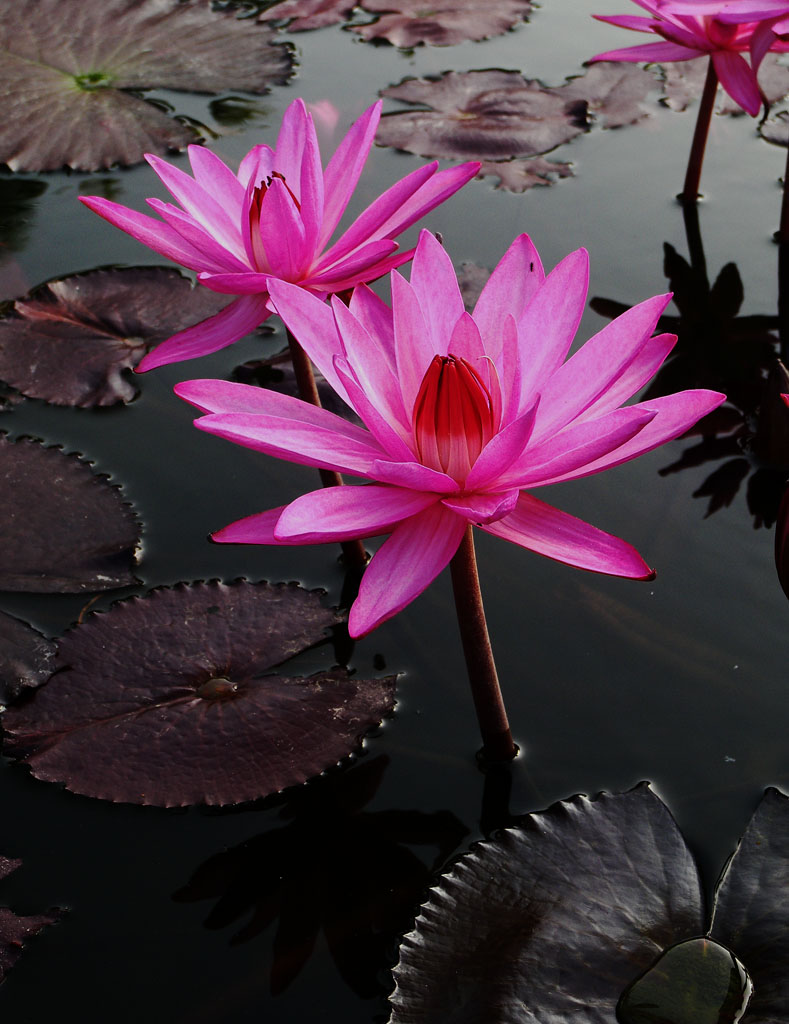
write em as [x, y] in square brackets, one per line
[308, 14]
[70, 341]
[62, 528]
[175, 698]
[66, 104]
[409, 23]
[26, 657]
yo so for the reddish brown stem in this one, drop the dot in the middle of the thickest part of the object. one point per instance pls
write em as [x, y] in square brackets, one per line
[497, 742]
[690, 191]
[353, 550]
[783, 230]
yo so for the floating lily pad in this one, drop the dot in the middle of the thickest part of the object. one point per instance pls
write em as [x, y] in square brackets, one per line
[26, 658]
[70, 341]
[521, 175]
[309, 14]
[172, 699]
[481, 115]
[14, 929]
[615, 92]
[357, 891]
[441, 22]
[592, 912]
[62, 528]
[65, 104]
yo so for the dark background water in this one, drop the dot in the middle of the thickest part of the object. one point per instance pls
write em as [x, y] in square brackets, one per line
[607, 682]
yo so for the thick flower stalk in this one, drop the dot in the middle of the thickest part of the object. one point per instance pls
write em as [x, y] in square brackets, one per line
[693, 28]
[463, 415]
[274, 221]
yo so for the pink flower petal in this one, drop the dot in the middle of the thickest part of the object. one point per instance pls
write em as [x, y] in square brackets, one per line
[502, 451]
[200, 205]
[549, 323]
[569, 452]
[224, 396]
[508, 290]
[342, 173]
[376, 318]
[635, 22]
[292, 138]
[254, 529]
[652, 53]
[413, 342]
[235, 321]
[221, 259]
[303, 443]
[483, 508]
[674, 415]
[405, 564]
[466, 343]
[342, 513]
[153, 233]
[435, 191]
[214, 176]
[640, 370]
[363, 264]
[557, 535]
[413, 475]
[435, 285]
[739, 81]
[385, 431]
[248, 283]
[282, 233]
[591, 372]
[256, 166]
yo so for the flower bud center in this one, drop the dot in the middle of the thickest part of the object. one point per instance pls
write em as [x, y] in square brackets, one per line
[455, 415]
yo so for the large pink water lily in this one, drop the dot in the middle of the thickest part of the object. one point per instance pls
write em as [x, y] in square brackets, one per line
[274, 219]
[692, 28]
[461, 413]
[771, 16]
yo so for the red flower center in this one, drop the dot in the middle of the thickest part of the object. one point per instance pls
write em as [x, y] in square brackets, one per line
[455, 415]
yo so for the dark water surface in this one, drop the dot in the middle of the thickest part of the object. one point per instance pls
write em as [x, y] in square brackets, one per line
[680, 681]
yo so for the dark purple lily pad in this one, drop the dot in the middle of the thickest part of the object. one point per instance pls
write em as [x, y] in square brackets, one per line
[615, 92]
[14, 929]
[70, 341]
[66, 104]
[490, 115]
[551, 921]
[594, 901]
[26, 658]
[521, 175]
[171, 699]
[409, 23]
[308, 14]
[62, 528]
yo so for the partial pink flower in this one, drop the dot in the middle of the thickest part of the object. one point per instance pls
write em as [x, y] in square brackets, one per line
[274, 220]
[692, 28]
[462, 413]
[769, 20]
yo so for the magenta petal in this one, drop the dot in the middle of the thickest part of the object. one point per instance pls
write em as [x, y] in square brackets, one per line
[311, 322]
[254, 529]
[214, 176]
[282, 233]
[291, 140]
[466, 343]
[739, 81]
[641, 369]
[404, 565]
[413, 342]
[501, 451]
[303, 443]
[153, 233]
[362, 265]
[413, 475]
[224, 396]
[508, 290]
[248, 283]
[376, 318]
[391, 440]
[435, 190]
[230, 324]
[342, 513]
[674, 414]
[256, 166]
[483, 508]
[636, 22]
[557, 535]
[762, 39]
[549, 322]
[342, 173]
[215, 256]
[436, 287]
[652, 53]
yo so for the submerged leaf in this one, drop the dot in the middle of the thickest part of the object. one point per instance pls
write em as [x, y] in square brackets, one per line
[26, 657]
[69, 341]
[64, 104]
[491, 115]
[14, 929]
[62, 528]
[171, 699]
[552, 920]
[408, 23]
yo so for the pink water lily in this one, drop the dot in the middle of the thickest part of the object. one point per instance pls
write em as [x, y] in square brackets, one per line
[274, 220]
[462, 413]
[771, 18]
[693, 28]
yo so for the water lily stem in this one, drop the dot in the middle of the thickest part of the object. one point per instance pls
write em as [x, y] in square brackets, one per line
[353, 551]
[783, 230]
[497, 742]
[690, 191]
